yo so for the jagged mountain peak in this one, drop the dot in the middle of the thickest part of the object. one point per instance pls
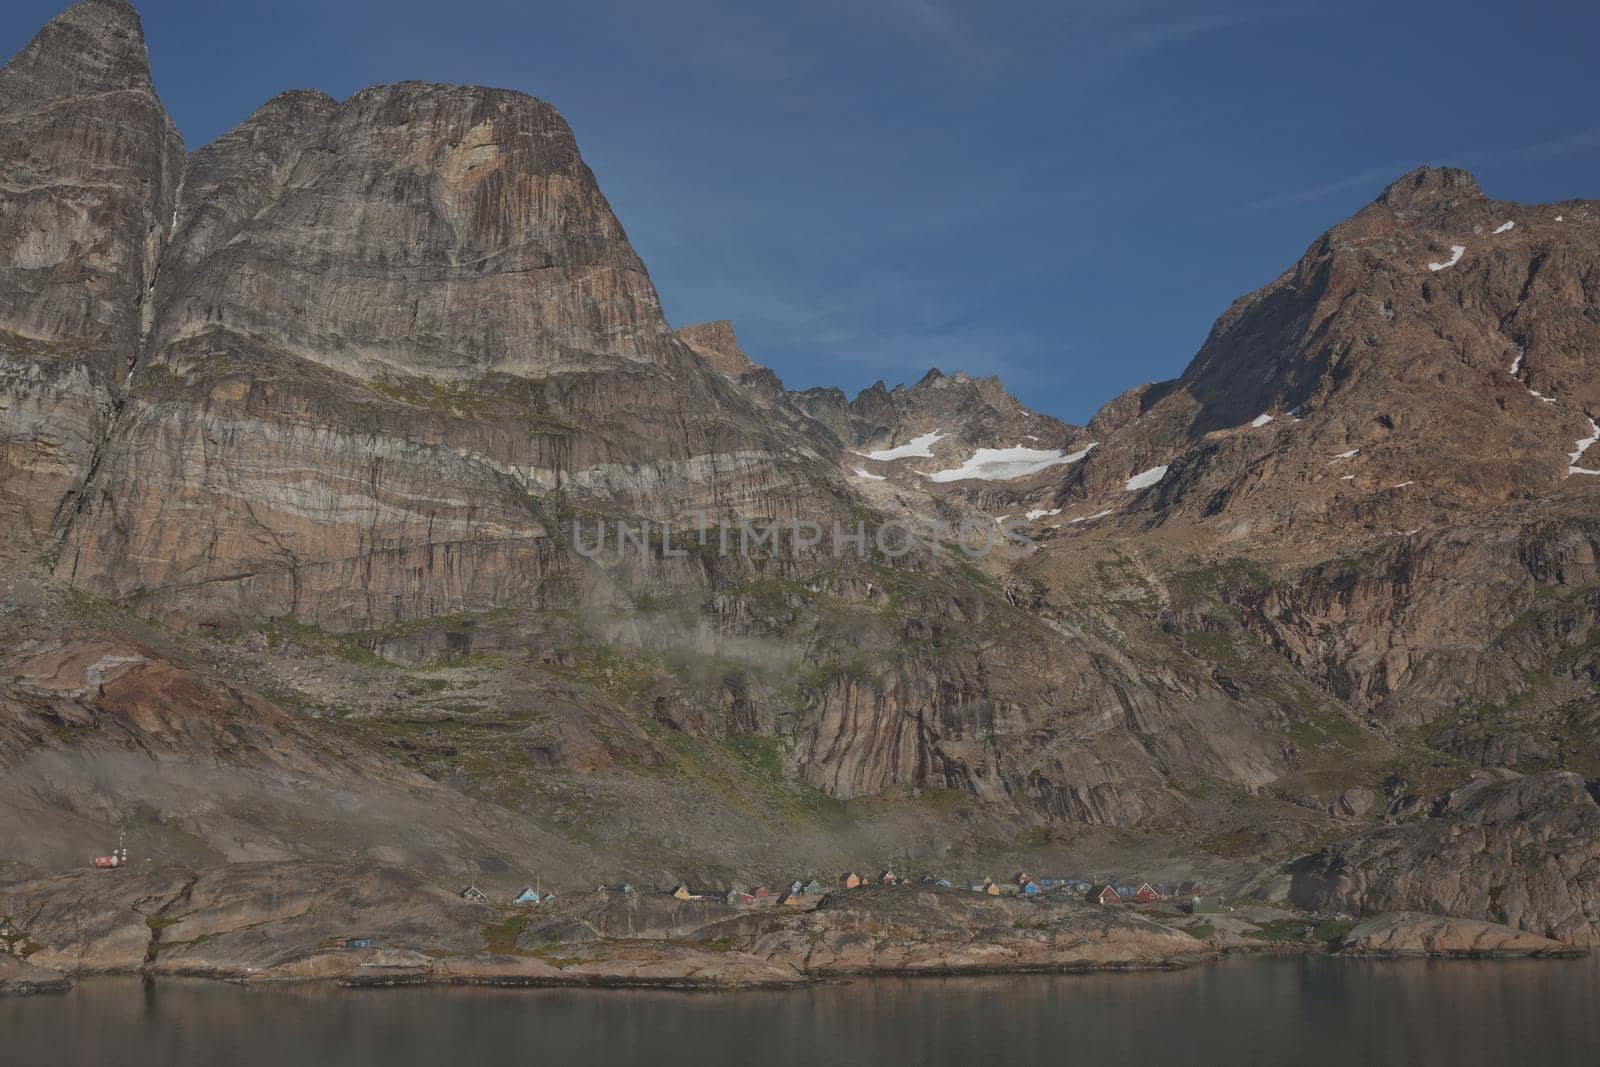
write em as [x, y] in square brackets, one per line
[1433, 351]
[716, 343]
[1428, 187]
[94, 46]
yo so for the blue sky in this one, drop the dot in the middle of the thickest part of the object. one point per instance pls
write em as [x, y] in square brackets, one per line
[1065, 194]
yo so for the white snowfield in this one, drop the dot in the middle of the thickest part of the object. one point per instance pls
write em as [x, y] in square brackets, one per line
[1456, 252]
[1145, 479]
[917, 447]
[1041, 513]
[1516, 364]
[1004, 464]
[1503, 227]
[1090, 518]
[1343, 455]
[1582, 447]
[869, 476]
[1260, 420]
[1402, 485]
[1080, 453]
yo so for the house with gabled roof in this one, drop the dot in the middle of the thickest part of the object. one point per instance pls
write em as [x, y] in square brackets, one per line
[474, 894]
[850, 880]
[528, 896]
[1103, 893]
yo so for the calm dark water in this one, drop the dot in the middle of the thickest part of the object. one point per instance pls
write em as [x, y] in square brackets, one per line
[1271, 1012]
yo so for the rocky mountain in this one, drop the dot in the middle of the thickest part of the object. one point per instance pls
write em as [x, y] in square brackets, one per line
[306, 438]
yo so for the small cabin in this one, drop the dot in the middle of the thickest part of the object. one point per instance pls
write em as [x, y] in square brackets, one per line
[1103, 894]
[1191, 889]
[852, 880]
[889, 878]
[474, 894]
[992, 887]
[528, 896]
[738, 898]
[1028, 889]
[1146, 894]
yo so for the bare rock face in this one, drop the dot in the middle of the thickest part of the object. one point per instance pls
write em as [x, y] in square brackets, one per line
[1523, 852]
[901, 930]
[715, 343]
[1406, 934]
[315, 432]
[92, 172]
[22, 979]
[1414, 627]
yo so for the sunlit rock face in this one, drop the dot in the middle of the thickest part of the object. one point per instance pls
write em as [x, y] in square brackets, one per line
[92, 167]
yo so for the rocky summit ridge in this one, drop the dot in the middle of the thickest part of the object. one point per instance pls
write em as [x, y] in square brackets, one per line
[300, 433]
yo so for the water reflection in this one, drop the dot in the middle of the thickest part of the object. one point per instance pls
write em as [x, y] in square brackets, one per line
[1277, 1012]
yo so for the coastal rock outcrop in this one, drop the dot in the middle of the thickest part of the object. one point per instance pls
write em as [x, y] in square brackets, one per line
[1402, 934]
[1522, 851]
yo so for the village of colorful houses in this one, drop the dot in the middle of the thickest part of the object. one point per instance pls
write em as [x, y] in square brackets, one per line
[1189, 896]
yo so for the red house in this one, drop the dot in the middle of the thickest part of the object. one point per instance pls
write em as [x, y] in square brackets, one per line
[1103, 894]
[1146, 894]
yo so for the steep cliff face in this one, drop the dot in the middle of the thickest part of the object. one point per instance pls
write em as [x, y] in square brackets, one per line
[1521, 851]
[395, 342]
[92, 172]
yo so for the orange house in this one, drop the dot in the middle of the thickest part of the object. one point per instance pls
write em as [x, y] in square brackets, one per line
[851, 880]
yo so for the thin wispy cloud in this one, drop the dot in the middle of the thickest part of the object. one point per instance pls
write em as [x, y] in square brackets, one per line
[1554, 148]
[1136, 30]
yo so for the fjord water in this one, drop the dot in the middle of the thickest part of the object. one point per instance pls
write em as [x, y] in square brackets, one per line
[1245, 1011]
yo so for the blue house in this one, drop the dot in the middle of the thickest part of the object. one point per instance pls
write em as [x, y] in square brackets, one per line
[1028, 889]
[529, 895]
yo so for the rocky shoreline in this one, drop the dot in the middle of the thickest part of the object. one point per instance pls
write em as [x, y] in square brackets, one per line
[288, 923]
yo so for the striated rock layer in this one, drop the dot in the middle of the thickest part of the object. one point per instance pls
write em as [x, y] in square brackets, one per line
[92, 169]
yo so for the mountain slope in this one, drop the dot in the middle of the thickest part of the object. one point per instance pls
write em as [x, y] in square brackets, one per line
[385, 352]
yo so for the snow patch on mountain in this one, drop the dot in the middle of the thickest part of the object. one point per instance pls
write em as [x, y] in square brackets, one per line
[1002, 464]
[1456, 252]
[1145, 479]
[917, 447]
[1582, 447]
